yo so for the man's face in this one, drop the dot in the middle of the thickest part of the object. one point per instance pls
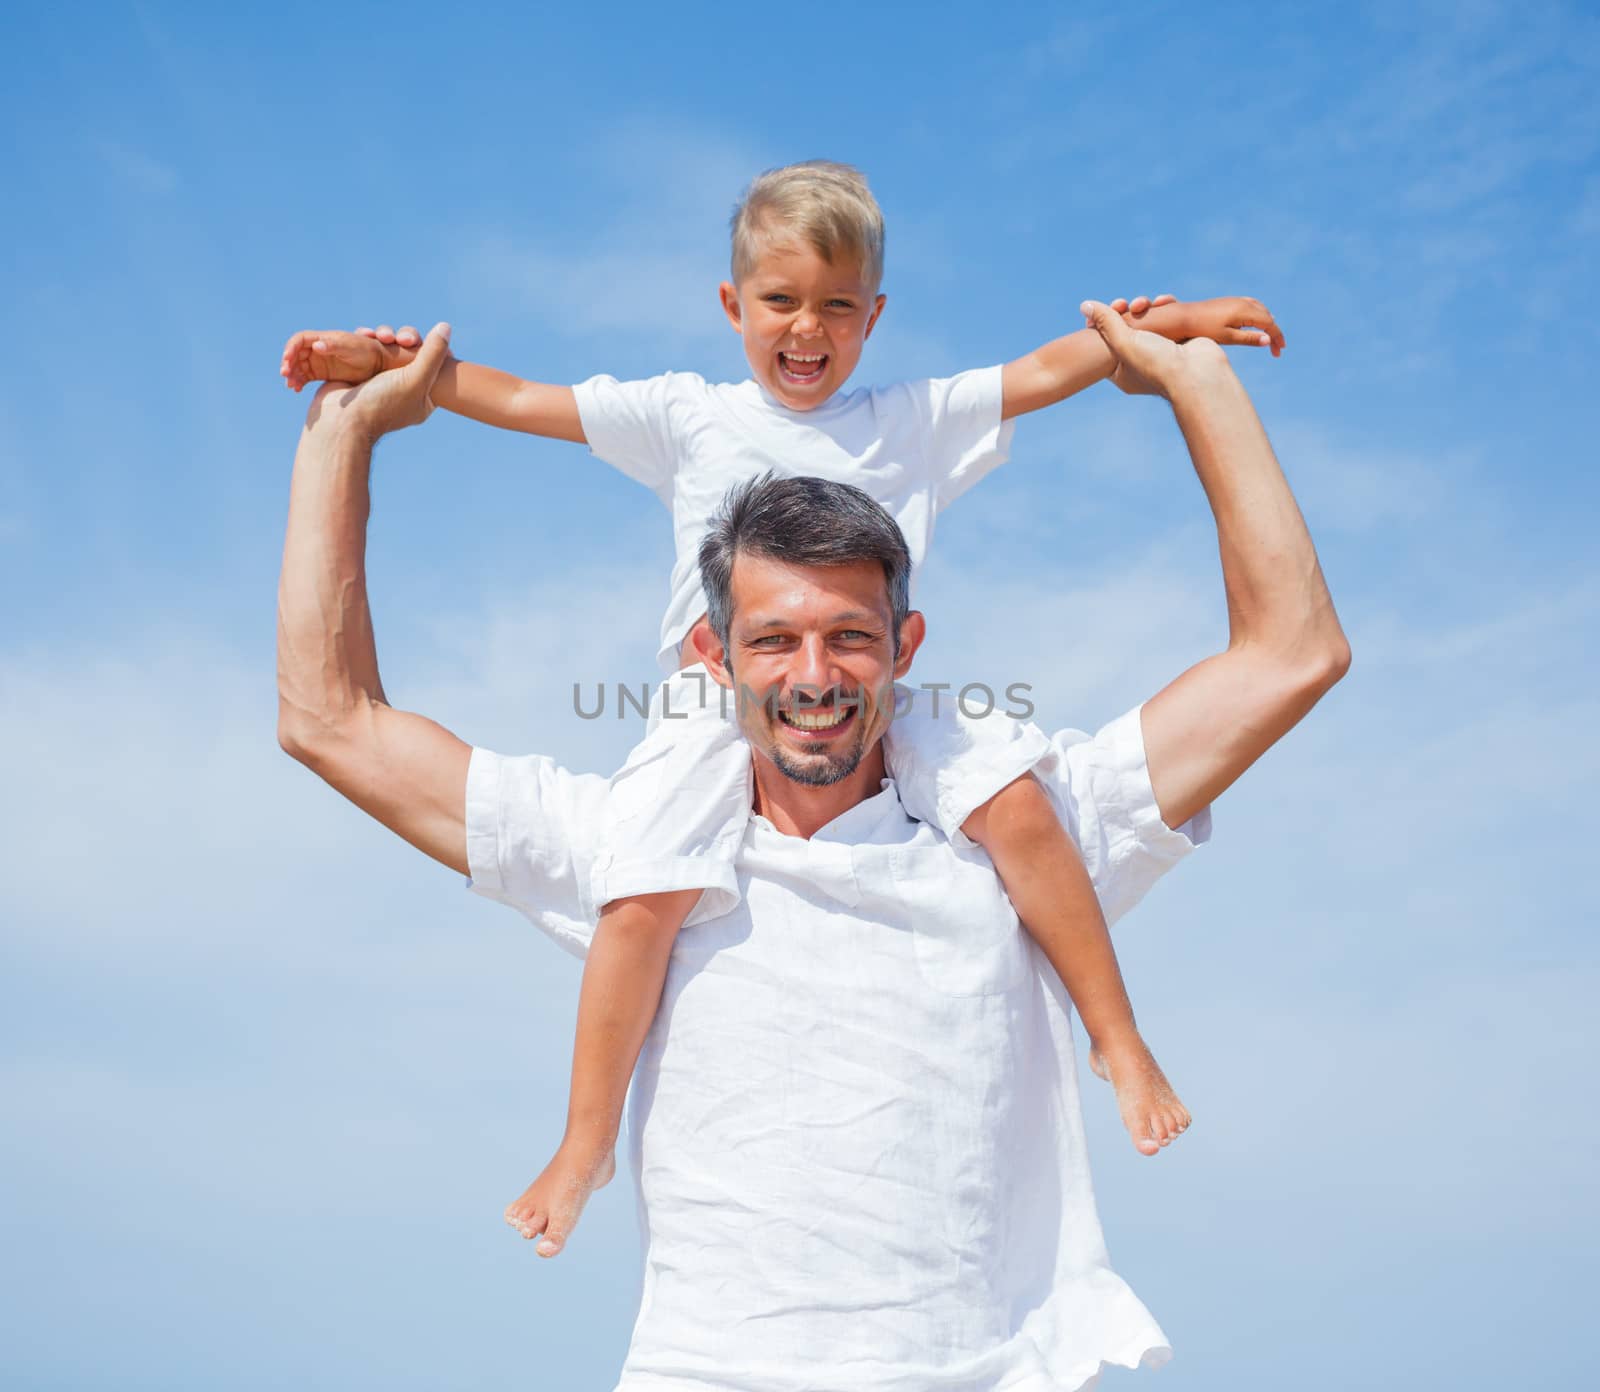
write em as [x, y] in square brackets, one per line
[811, 659]
[803, 321]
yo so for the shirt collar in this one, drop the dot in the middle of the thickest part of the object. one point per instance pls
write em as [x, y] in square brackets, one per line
[855, 825]
[769, 399]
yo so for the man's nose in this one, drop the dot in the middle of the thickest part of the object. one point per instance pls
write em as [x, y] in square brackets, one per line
[813, 668]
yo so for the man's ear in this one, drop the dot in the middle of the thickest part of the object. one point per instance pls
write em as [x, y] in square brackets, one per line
[708, 647]
[729, 294]
[912, 632]
[877, 309]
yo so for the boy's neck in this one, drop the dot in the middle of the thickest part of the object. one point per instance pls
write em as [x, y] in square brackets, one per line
[812, 409]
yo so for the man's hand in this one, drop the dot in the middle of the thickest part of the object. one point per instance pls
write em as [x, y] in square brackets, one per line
[1147, 363]
[391, 400]
[336, 356]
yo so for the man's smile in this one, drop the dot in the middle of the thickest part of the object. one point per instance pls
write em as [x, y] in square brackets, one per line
[819, 722]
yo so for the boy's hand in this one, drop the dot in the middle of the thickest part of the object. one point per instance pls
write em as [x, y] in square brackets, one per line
[1236, 320]
[336, 356]
[407, 337]
[1149, 364]
[389, 401]
[1140, 304]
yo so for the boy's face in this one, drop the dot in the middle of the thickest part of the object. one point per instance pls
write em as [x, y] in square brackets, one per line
[803, 321]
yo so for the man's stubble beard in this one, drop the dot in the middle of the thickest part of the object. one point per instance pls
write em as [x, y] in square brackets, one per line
[819, 770]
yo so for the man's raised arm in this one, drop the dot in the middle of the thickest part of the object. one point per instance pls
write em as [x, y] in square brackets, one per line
[1285, 645]
[403, 769]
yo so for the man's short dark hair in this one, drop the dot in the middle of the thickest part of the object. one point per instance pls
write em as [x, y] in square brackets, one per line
[801, 521]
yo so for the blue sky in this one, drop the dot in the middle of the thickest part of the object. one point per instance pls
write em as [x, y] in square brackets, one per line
[271, 1077]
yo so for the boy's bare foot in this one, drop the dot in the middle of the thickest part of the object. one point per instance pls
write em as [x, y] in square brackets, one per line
[1150, 1108]
[552, 1203]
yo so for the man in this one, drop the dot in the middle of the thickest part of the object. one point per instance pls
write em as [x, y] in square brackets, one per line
[855, 1123]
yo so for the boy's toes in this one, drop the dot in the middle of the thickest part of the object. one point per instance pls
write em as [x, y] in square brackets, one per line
[529, 1222]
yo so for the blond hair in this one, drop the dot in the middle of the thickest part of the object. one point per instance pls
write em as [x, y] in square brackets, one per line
[824, 204]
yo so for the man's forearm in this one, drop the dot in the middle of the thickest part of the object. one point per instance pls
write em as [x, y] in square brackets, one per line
[1276, 594]
[327, 656]
[404, 769]
[1285, 646]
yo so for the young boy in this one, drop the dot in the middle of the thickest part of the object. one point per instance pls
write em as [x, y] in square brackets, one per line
[804, 297]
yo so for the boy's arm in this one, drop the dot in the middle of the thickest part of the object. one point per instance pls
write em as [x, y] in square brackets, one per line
[1065, 366]
[497, 398]
[469, 389]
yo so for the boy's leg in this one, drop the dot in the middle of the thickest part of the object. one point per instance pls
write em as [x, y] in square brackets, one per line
[622, 980]
[1052, 894]
[679, 806]
[969, 776]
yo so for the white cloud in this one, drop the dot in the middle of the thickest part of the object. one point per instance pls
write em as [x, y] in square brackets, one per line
[511, 665]
[1531, 626]
[643, 263]
[657, 298]
[1366, 486]
[1586, 216]
[149, 797]
[135, 168]
[1090, 648]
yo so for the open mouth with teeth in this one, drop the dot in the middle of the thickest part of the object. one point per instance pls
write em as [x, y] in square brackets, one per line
[818, 722]
[802, 369]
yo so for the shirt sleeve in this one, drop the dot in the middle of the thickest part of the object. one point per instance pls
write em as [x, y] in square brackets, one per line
[1101, 788]
[966, 438]
[532, 830]
[630, 425]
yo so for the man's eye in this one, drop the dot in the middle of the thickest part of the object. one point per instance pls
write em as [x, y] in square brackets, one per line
[856, 633]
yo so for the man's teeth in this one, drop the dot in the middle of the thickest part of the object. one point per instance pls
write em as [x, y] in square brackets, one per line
[815, 720]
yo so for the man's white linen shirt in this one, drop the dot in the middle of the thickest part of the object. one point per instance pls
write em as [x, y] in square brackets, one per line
[854, 1128]
[914, 447]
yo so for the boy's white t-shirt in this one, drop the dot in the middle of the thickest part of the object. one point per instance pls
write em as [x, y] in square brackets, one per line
[914, 447]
